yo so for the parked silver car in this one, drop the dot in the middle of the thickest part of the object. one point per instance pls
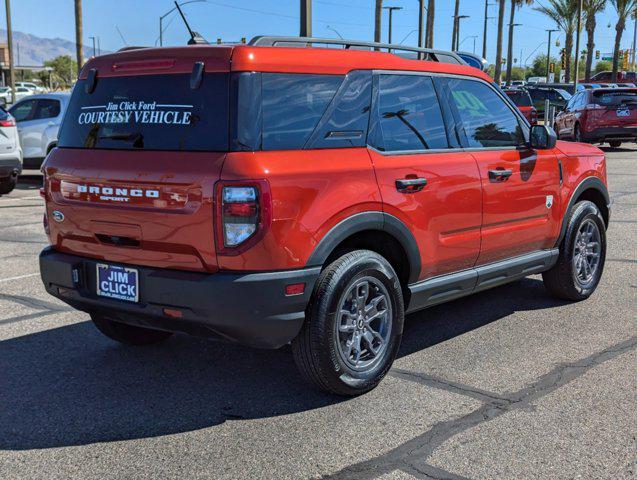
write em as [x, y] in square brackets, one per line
[38, 118]
[10, 153]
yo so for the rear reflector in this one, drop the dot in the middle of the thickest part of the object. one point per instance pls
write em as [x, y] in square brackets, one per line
[171, 312]
[294, 289]
[9, 122]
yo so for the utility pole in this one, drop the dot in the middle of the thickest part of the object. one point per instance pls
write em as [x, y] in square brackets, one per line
[78, 35]
[548, 54]
[577, 36]
[93, 38]
[497, 76]
[306, 18]
[7, 4]
[634, 40]
[421, 27]
[510, 51]
[99, 50]
[429, 37]
[484, 34]
[391, 19]
[460, 17]
[454, 33]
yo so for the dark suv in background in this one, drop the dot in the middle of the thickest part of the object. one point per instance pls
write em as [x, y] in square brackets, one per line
[557, 97]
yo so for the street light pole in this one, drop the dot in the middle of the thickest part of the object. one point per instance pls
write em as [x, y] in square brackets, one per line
[460, 17]
[78, 35]
[391, 18]
[577, 37]
[93, 38]
[548, 54]
[484, 34]
[306, 18]
[7, 4]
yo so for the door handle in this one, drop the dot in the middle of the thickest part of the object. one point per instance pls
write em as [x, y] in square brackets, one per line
[500, 175]
[410, 185]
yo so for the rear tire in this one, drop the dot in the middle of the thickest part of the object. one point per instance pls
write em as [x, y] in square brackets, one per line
[8, 184]
[129, 334]
[615, 144]
[580, 264]
[353, 327]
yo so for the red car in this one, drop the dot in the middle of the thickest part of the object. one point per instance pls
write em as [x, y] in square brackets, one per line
[523, 101]
[600, 115]
[270, 195]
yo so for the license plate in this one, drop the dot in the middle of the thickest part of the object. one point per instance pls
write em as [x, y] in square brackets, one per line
[121, 283]
[623, 112]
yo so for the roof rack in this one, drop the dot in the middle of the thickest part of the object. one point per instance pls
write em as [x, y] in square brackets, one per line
[422, 53]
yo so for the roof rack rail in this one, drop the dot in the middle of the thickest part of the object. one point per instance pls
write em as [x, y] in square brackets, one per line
[422, 53]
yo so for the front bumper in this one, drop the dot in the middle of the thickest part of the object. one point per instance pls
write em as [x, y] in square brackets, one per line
[10, 166]
[250, 308]
[620, 134]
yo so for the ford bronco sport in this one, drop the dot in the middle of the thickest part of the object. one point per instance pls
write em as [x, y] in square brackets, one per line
[269, 194]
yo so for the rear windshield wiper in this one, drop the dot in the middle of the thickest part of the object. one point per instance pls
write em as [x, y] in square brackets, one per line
[136, 138]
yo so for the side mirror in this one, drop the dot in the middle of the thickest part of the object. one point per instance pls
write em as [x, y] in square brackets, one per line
[543, 137]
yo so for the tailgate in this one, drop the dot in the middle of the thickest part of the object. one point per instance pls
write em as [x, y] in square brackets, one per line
[148, 208]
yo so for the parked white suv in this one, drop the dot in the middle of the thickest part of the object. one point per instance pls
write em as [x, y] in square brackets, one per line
[38, 118]
[31, 86]
[10, 153]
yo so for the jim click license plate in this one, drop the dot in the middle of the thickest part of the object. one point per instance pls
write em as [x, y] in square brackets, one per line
[117, 282]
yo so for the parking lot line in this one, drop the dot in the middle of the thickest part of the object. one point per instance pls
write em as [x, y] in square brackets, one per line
[2, 280]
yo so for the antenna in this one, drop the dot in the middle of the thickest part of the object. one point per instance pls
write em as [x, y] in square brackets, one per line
[195, 38]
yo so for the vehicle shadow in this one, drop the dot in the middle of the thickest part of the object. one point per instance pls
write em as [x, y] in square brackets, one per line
[72, 386]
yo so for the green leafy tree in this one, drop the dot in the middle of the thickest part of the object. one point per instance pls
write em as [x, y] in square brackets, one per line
[624, 9]
[538, 67]
[603, 66]
[591, 9]
[564, 14]
[64, 70]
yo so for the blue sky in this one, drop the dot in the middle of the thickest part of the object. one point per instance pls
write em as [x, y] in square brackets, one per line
[233, 19]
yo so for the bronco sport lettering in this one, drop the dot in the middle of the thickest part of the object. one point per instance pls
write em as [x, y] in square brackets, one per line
[307, 196]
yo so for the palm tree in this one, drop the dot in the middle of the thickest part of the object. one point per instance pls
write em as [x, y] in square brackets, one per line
[429, 38]
[378, 17]
[591, 9]
[624, 9]
[514, 4]
[564, 14]
[498, 55]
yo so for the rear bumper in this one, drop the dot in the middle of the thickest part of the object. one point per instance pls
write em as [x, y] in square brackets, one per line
[250, 309]
[10, 166]
[601, 135]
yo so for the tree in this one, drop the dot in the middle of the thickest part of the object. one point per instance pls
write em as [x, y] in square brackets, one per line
[64, 70]
[591, 9]
[514, 4]
[603, 66]
[538, 67]
[624, 9]
[429, 38]
[564, 14]
[497, 76]
[378, 17]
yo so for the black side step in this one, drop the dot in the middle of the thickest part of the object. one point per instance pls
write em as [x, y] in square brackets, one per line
[441, 289]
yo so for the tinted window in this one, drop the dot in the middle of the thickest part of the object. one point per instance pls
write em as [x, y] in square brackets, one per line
[23, 111]
[409, 114]
[47, 109]
[615, 98]
[150, 112]
[292, 106]
[538, 94]
[487, 119]
[520, 98]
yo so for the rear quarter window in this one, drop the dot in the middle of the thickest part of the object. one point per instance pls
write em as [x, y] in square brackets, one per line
[149, 112]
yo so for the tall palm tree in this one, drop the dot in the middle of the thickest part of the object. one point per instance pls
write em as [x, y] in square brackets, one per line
[514, 4]
[498, 54]
[431, 13]
[378, 17]
[564, 14]
[624, 9]
[591, 9]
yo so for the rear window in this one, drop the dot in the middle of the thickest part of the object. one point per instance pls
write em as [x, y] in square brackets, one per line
[521, 99]
[615, 97]
[149, 112]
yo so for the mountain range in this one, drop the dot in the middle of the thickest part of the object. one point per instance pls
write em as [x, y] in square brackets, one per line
[31, 50]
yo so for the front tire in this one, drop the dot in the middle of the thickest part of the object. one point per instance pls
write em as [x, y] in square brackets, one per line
[129, 334]
[353, 326]
[8, 184]
[615, 144]
[580, 264]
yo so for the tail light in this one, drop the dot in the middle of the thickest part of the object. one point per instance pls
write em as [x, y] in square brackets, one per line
[8, 122]
[243, 214]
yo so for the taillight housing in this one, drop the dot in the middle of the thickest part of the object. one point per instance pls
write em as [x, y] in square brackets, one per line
[8, 122]
[243, 215]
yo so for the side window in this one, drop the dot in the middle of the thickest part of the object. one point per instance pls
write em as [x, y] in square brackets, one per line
[23, 111]
[487, 119]
[292, 106]
[47, 109]
[409, 115]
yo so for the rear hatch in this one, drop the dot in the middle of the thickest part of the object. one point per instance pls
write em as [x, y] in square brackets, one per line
[614, 107]
[141, 146]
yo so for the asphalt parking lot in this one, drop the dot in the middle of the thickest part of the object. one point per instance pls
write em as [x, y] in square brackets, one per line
[506, 384]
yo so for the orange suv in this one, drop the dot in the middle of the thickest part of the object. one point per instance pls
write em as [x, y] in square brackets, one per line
[269, 194]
